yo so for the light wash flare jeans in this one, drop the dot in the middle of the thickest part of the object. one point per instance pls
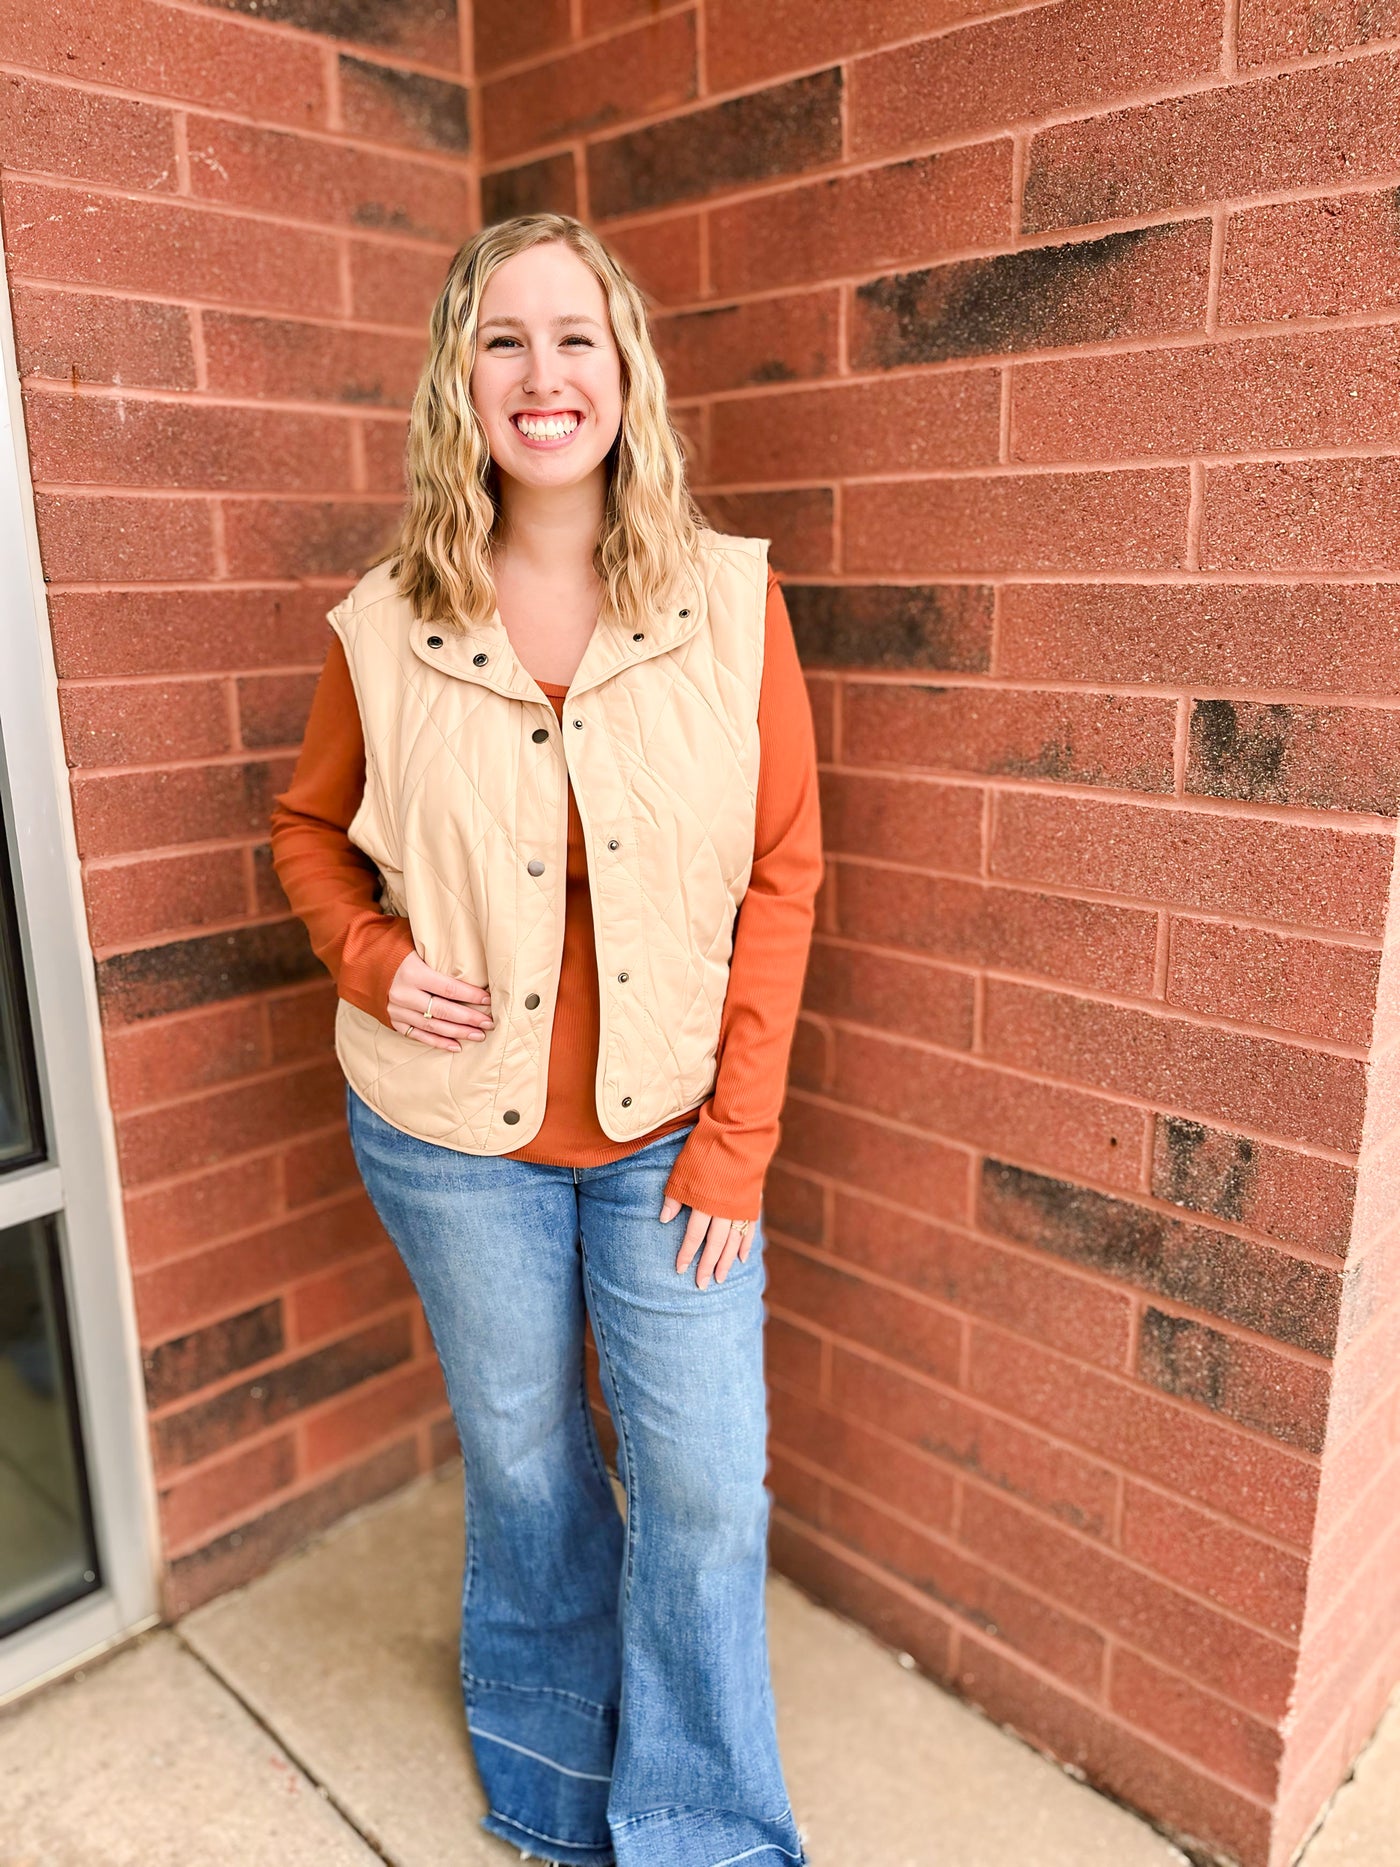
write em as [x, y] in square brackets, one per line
[615, 1679]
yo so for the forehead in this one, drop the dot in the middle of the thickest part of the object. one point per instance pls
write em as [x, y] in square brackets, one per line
[547, 280]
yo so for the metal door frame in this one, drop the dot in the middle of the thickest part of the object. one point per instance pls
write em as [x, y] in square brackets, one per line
[79, 1183]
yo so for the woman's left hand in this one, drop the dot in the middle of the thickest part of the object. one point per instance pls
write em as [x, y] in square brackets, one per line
[723, 1241]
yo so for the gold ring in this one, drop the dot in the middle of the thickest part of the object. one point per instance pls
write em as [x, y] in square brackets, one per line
[429, 1012]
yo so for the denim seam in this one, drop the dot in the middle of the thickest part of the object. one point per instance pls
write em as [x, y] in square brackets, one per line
[558, 1841]
[464, 1651]
[764, 1847]
[540, 1691]
[538, 1756]
[625, 1441]
[590, 1431]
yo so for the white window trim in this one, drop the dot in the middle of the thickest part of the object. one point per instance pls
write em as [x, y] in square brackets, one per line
[80, 1181]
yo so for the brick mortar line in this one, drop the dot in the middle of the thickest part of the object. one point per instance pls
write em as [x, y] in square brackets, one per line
[304, 35]
[180, 103]
[1031, 126]
[842, 57]
[1199, 805]
[242, 1234]
[1352, 942]
[1187, 339]
[1244, 693]
[941, 1463]
[1089, 1277]
[287, 1357]
[1384, 1474]
[950, 1538]
[177, 1550]
[1312, 1150]
[744, 193]
[580, 41]
[830, 1103]
[428, 245]
[1067, 469]
[271, 1153]
[1018, 1656]
[188, 1099]
[956, 1546]
[1182, 1016]
[1036, 1429]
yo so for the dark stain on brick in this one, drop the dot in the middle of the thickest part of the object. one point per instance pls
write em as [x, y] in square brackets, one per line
[428, 27]
[204, 970]
[248, 1549]
[186, 1363]
[1195, 1362]
[431, 111]
[273, 709]
[779, 131]
[277, 1393]
[548, 186]
[1239, 756]
[1322, 758]
[1010, 302]
[946, 626]
[1257, 1286]
[969, 1458]
[267, 890]
[1200, 1167]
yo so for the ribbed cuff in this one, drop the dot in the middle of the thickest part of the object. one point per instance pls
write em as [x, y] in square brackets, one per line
[719, 1173]
[381, 946]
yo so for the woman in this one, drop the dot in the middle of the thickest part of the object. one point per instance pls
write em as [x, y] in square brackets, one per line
[561, 735]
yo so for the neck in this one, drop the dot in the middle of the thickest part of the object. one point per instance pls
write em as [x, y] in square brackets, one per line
[552, 531]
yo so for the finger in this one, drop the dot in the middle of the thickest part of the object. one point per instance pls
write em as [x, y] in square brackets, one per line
[731, 1251]
[443, 985]
[714, 1250]
[457, 1021]
[457, 1015]
[694, 1237]
[431, 1038]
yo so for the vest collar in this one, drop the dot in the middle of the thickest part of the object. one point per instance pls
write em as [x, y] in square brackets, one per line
[482, 652]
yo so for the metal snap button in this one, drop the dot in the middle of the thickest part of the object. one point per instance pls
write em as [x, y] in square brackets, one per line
[613, 843]
[639, 636]
[623, 977]
[434, 641]
[540, 734]
[531, 1000]
[534, 866]
[627, 1102]
[578, 722]
[685, 612]
[480, 661]
[512, 1116]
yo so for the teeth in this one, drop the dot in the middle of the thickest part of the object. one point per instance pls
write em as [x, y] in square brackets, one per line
[550, 428]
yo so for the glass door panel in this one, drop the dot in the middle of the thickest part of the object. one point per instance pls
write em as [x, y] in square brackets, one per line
[48, 1553]
[21, 1140]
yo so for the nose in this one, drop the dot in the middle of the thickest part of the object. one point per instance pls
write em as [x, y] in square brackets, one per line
[543, 369]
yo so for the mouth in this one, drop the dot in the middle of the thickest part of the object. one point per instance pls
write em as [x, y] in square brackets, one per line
[554, 430]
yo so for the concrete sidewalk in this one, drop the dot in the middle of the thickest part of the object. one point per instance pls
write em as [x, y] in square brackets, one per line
[313, 1719]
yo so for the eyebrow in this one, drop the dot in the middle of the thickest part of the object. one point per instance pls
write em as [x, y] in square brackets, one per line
[568, 317]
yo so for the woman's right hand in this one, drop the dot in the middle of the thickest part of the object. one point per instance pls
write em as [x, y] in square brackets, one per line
[460, 1011]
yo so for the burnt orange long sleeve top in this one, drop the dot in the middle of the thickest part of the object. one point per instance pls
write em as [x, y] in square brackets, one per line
[333, 887]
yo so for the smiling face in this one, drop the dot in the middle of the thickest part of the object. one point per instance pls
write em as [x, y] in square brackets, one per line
[547, 378]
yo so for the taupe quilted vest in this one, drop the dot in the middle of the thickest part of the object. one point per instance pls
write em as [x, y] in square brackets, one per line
[465, 814]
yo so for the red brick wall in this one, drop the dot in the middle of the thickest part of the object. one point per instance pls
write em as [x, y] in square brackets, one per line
[224, 228]
[1057, 352]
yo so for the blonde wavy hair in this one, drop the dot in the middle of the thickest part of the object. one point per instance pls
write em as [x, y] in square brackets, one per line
[649, 537]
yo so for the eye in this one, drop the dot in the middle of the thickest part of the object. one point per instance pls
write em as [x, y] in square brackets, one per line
[579, 338]
[493, 342]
